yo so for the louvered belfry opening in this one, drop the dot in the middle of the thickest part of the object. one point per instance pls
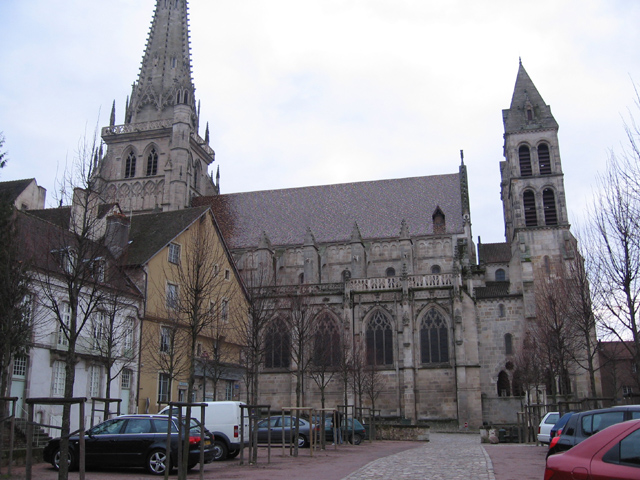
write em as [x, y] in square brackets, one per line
[529, 203]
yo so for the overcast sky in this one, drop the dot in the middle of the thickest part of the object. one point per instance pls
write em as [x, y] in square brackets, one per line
[312, 92]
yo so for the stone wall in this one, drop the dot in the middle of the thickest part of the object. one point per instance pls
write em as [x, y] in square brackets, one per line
[403, 432]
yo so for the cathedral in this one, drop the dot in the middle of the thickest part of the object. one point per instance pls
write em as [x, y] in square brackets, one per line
[389, 267]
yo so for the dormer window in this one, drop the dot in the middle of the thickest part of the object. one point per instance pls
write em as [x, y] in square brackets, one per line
[439, 224]
[174, 253]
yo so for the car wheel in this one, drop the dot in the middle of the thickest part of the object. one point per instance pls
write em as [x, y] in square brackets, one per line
[233, 454]
[156, 462]
[356, 440]
[302, 441]
[56, 460]
[220, 451]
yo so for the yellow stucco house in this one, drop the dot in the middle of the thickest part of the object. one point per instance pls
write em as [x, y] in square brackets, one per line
[195, 308]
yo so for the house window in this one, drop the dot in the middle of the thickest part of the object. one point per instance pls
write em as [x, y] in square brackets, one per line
[530, 214]
[98, 269]
[277, 346]
[549, 203]
[379, 338]
[524, 156]
[544, 160]
[501, 275]
[627, 390]
[198, 349]
[391, 272]
[125, 380]
[508, 344]
[19, 366]
[434, 338]
[63, 328]
[326, 343]
[165, 340]
[172, 296]
[174, 253]
[59, 377]
[224, 311]
[94, 381]
[227, 274]
[130, 166]
[152, 163]
[228, 390]
[99, 327]
[163, 388]
[127, 344]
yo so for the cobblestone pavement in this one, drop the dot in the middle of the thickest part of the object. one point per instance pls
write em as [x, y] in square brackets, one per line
[444, 457]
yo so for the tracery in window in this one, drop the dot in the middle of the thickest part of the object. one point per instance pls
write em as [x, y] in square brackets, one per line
[379, 340]
[530, 214]
[434, 338]
[152, 163]
[524, 156]
[326, 343]
[549, 203]
[544, 159]
[277, 345]
[130, 166]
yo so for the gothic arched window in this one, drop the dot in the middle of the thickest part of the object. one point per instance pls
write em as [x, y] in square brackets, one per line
[435, 269]
[549, 203]
[434, 338]
[277, 345]
[391, 272]
[530, 214]
[152, 163]
[326, 343]
[130, 166]
[508, 344]
[379, 340]
[501, 276]
[544, 159]
[524, 156]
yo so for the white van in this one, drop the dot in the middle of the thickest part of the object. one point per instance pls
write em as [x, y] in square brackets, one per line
[223, 420]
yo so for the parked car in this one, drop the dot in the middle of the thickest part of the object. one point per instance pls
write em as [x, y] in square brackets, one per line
[557, 428]
[584, 424]
[223, 420]
[132, 441]
[275, 425]
[612, 454]
[352, 431]
[546, 424]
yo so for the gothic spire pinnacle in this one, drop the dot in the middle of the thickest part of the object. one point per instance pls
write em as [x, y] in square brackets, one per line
[165, 73]
[356, 236]
[112, 119]
[528, 110]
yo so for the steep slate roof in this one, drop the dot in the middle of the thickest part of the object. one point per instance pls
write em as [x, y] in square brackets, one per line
[60, 216]
[330, 211]
[515, 119]
[150, 232]
[12, 189]
[492, 290]
[494, 253]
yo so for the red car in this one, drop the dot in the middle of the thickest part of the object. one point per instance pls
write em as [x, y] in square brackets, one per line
[611, 454]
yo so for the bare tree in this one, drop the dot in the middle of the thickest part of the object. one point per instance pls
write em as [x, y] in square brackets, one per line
[66, 273]
[530, 369]
[374, 383]
[553, 330]
[358, 367]
[614, 245]
[326, 355]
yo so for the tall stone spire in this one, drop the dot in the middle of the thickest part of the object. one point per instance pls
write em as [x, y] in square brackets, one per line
[165, 73]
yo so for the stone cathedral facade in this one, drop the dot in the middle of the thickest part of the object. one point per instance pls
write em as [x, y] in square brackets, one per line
[388, 266]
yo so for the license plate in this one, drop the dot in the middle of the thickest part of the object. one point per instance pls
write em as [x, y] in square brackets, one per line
[207, 442]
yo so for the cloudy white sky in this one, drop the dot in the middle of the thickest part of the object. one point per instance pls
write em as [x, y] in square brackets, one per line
[310, 92]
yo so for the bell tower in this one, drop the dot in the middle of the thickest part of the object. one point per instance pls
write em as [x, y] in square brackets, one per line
[157, 160]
